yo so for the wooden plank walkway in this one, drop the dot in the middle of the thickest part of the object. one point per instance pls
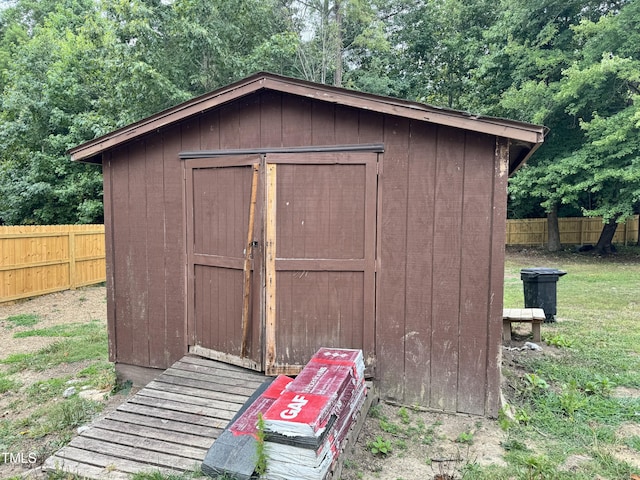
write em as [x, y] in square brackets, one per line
[167, 427]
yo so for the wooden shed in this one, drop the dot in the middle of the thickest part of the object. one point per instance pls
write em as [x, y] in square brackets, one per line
[274, 216]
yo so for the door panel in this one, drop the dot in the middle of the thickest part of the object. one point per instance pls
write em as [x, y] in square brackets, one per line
[219, 198]
[321, 256]
[313, 282]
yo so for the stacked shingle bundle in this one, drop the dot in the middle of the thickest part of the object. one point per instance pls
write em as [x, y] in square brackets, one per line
[307, 424]
[235, 452]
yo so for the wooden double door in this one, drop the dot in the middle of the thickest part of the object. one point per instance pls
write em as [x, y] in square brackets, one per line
[281, 257]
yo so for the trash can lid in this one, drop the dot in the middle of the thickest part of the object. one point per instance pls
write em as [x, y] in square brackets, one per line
[537, 271]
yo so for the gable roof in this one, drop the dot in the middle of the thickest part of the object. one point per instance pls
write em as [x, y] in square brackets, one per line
[525, 137]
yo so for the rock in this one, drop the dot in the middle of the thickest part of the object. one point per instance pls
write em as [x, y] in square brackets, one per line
[69, 392]
[94, 395]
[82, 429]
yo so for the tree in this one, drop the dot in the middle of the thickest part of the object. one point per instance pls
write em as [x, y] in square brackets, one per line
[441, 43]
[202, 45]
[72, 70]
[602, 89]
[40, 119]
[69, 81]
[540, 55]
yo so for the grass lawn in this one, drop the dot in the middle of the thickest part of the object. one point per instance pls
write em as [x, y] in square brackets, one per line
[582, 403]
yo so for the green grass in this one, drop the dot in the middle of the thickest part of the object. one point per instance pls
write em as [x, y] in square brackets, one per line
[38, 418]
[89, 343]
[23, 320]
[65, 330]
[185, 476]
[7, 383]
[598, 335]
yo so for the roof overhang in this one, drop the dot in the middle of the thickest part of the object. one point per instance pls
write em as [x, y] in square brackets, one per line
[525, 137]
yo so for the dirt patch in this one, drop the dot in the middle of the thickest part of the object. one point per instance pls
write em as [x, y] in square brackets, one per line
[424, 445]
[625, 392]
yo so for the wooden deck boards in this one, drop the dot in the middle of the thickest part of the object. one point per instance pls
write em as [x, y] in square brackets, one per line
[167, 427]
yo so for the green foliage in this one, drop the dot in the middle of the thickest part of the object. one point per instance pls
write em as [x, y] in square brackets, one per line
[43, 390]
[163, 476]
[380, 446]
[571, 399]
[522, 416]
[582, 77]
[375, 411]
[261, 463]
[102, 375]
[558, 340]
[465, 437]
[389, 427]
[534, 384]
[72, 71]
[599, 386]
[403, 413]
[63, 416]
[577, 412]
[23, 320]
[514, 445]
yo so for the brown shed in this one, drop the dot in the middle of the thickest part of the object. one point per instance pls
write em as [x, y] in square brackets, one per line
[274, 216]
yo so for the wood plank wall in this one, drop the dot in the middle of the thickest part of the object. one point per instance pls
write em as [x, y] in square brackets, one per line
[145, 245]
[434, 333]
[434, 311]
[40, 259]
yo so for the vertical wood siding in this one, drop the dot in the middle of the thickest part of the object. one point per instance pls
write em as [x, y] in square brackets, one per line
[438, 290]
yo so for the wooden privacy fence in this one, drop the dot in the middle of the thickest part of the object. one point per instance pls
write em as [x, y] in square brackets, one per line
[42, 259]
[573, 231]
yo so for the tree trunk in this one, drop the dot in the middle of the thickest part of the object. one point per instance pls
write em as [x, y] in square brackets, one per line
[553, 230]
[337, 79]
[604, 246]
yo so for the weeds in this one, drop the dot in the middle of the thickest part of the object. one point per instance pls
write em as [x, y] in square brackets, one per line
[7, 383]
[380, 446]
[65, 330]
[91, 344]
[558, 340]
[261, 463]
[571, 399]
[465, 437]
[403, 413]
[157, 475]
[23, 320]
[534, 384]
[633, 442]
[563, 402]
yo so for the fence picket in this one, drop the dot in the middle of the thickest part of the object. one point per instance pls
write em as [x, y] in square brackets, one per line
[35, 260]
[573, 231]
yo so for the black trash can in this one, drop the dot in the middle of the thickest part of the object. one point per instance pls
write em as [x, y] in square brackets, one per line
[540, 289]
